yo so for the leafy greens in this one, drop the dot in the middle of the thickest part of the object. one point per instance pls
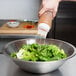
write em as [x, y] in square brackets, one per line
[39, 52]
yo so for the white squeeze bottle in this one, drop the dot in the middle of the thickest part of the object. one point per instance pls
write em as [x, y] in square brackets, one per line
[45, 23]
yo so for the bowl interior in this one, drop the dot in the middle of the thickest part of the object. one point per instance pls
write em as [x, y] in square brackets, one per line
[14, 46]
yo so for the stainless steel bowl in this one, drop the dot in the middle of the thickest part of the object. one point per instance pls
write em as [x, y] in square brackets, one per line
[39, 67]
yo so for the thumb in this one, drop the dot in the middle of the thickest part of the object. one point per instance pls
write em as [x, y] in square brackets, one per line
[41, 11]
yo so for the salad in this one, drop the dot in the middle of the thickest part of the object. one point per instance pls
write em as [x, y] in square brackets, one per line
[39, 52]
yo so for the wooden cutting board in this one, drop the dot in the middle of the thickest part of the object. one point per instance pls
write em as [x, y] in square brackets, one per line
[5, 29]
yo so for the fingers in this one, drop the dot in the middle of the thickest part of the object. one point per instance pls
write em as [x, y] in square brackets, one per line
[51, 10]
[42, 11]
[50, 5]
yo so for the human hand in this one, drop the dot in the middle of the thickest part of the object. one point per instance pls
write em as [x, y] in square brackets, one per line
[51, 5]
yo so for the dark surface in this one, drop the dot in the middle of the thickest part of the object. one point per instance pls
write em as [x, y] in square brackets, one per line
[64, 25]
[66, 32]
[66, 22]
[67, 9]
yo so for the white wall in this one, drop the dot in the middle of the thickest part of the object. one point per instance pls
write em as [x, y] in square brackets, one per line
[19, 9]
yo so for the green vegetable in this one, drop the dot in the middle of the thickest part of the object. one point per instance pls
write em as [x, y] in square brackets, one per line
[39, 52]
[13, 55]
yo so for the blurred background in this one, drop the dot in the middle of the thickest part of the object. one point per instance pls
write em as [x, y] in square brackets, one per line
[64, 24]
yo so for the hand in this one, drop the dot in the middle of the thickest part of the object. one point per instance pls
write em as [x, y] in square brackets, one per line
[51, 5]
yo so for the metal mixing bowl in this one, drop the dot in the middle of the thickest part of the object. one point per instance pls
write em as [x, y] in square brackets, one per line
[39, 67]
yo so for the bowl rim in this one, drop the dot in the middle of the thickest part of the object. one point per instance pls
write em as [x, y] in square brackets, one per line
[73, 54]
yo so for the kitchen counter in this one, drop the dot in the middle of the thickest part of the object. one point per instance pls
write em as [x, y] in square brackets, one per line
[9, 68]
[23, 28]
[20, 31]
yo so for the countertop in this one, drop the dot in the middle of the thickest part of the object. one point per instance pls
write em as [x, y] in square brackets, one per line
[9, 68]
